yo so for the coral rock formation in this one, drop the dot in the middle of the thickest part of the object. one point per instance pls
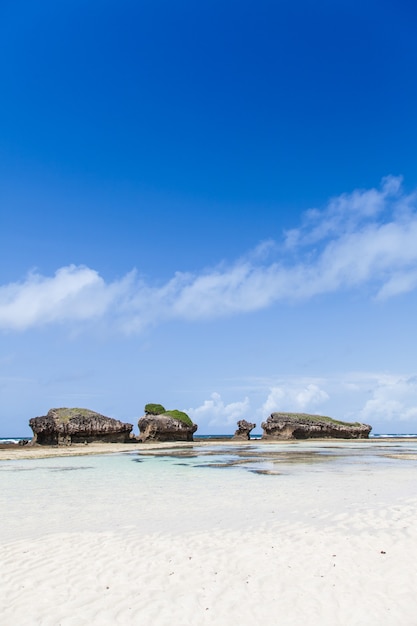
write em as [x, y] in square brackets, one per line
[160, 425]
[244, 429]
[66, 426]
[305, 426]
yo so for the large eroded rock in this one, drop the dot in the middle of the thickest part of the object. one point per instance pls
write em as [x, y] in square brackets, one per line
[243, 430]
[305, 426]
[165, 427]
[66, 426]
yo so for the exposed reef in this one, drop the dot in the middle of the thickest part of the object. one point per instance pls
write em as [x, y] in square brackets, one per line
[305, 426]
[243, 430]
[160, 425]
[66, 426]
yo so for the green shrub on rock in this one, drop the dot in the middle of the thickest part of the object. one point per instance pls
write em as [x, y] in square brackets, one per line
[158, 409]
[154, 409]
[179, 415]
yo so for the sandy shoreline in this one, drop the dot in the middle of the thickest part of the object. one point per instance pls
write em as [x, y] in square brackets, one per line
[15, 452]
[172, 541]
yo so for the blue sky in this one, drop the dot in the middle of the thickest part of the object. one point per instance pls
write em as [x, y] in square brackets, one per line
[208, 205]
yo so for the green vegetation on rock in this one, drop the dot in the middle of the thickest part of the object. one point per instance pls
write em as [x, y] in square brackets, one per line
[318, 418]
[155, 409]
[158, 409]
[64, 415]
[179, 415]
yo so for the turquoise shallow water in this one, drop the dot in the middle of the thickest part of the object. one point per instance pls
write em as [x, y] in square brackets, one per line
[217, 486]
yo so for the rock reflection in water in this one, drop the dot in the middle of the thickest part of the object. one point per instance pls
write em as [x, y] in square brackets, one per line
[250, 458]
[69, 469]
[281, 459]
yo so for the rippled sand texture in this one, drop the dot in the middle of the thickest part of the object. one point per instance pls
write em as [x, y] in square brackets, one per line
[305, 534]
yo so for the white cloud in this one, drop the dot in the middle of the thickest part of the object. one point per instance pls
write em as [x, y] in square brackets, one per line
[392, 398]
[370, 397]
[215, 412]
[345, 212]
[366, 238]
[400, 282]
[73, 293]
[294, 396]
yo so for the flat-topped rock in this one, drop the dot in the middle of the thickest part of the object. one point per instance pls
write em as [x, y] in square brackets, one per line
[306, 426]
[65, 426]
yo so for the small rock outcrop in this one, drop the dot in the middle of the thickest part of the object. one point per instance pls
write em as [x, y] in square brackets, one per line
[305, 426]
[67, 426]
[243, 430]
[160, 425]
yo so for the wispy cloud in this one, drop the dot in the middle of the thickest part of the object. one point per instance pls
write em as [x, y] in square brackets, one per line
[347, 212]
[365, 238]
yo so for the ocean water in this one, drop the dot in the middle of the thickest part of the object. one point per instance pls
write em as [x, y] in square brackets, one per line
[13, 439]
[223, 437]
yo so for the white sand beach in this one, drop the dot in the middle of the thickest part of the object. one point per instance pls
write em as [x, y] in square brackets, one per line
[328, 537]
